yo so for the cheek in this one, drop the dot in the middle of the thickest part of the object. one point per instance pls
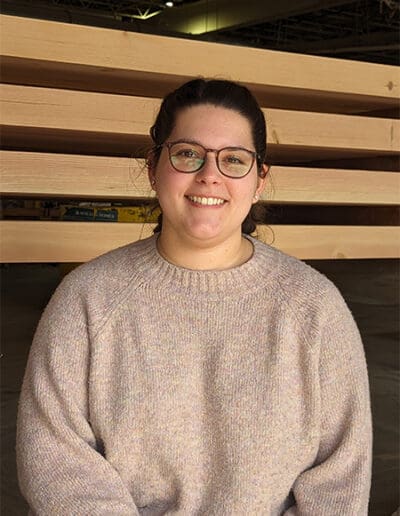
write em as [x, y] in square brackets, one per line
[174, 181]
[246, 189]
[171, 185]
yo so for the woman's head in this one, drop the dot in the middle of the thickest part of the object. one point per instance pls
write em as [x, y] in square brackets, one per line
[218, 93]
[212, 115]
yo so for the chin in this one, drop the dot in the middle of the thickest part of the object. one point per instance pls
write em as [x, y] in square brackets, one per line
[206, 235]
[209, 234]
[202, 230]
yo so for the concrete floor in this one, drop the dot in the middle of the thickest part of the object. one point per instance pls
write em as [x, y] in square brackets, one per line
[371, 289]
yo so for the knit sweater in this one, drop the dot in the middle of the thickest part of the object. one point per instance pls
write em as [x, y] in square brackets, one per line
[154, 389]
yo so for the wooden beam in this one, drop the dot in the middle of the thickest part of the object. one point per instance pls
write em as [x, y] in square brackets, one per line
[47, 108]
[38, 241]
[118, 120]
[124, 57]
[333, 242]
[332, 186]
[31, 241]
[32, 72]
[33, 174]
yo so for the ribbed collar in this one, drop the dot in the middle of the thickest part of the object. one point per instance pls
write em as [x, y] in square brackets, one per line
[151, 268]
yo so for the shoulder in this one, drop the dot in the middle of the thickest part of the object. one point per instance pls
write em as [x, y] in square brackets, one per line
[113, 269]
[291, 272]
[116, 266]
[312, 302]
[99, 285]
[298, 285]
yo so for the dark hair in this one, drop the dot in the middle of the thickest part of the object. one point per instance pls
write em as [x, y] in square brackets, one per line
[219, 93]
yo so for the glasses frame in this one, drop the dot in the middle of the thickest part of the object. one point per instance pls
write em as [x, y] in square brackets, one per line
[216, 152]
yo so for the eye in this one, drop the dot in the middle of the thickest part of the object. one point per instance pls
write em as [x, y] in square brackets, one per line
[185, 151]
[233, 159]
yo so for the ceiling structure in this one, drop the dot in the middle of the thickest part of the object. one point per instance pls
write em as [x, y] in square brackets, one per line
[365, 30]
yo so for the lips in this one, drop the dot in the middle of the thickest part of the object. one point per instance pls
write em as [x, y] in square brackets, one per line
[206, 201]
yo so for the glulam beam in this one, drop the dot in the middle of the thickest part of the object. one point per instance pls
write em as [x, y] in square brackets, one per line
[118, 123]
[41, 241]
[30, 174]
[74, 56]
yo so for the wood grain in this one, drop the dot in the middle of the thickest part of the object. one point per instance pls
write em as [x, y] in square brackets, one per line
[67, 175]
[120, 55]
[46, 109]
[31, 241]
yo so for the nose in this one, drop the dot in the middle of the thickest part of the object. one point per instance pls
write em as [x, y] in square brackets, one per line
[209, 172]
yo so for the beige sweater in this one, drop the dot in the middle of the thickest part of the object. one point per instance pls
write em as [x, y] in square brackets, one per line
[153, 389]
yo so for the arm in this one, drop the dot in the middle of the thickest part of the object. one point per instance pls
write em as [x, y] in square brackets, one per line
[339, 481]
[60, 470]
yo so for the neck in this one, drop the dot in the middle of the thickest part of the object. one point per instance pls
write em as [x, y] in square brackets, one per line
[205, 257]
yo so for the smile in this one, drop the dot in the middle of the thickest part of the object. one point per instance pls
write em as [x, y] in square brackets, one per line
[206, 201]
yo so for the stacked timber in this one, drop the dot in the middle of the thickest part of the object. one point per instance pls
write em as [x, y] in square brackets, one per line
[77, 103]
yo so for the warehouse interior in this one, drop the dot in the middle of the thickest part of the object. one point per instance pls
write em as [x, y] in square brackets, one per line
[361, 30]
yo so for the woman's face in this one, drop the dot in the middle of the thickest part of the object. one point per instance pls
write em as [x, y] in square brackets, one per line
[184, 217]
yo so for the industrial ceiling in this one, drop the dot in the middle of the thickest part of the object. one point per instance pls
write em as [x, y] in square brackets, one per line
[364, 30]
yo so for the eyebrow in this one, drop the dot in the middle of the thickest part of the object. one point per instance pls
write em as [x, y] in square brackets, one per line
[188, 140]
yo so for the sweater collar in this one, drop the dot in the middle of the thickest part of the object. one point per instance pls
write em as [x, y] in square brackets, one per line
[160, 273]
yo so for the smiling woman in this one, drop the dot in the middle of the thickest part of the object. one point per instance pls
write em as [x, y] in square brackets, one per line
[198, 371]
[204, 197]
[207, 168]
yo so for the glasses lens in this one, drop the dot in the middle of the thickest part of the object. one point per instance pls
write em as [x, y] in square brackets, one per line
[235, 162]
[187, 157]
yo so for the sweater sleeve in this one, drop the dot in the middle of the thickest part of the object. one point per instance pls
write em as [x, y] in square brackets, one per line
[339, 480]
[60, 469]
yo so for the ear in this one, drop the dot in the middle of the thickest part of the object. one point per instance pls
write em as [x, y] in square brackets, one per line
[264, 171]
[261, 182]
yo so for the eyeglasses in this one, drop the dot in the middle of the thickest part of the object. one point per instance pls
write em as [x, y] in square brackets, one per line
[189, 157]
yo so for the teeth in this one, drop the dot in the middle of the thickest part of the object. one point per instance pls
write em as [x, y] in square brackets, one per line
[206, 201]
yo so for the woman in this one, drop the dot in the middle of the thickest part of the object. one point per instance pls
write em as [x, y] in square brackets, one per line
[200, 371]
